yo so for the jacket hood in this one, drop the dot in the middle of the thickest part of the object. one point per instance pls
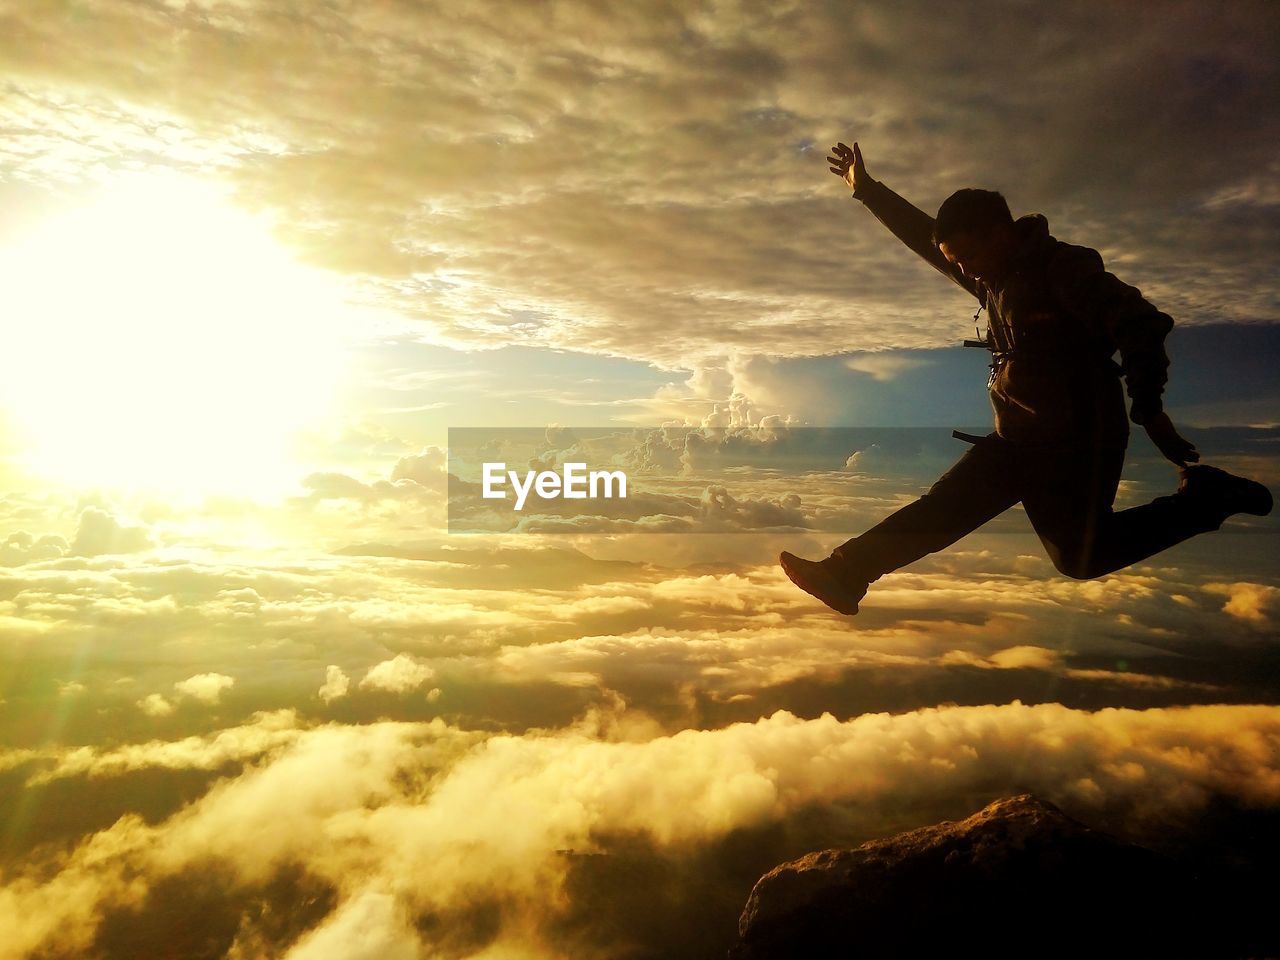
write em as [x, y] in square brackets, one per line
[1033, 234]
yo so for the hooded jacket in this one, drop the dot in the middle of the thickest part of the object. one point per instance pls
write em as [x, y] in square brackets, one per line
[1056, 318]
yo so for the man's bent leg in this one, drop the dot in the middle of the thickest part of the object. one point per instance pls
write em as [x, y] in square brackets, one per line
[980, 486]
[1069, 497]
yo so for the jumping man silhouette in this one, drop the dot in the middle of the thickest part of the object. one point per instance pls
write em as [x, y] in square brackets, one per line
[1057, 318]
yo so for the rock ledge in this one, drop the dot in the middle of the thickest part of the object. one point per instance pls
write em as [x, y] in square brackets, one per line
[1017, 878]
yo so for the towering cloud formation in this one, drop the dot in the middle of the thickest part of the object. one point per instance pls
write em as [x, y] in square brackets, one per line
[335, 684]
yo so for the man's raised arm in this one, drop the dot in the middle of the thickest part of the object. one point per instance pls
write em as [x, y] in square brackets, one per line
[904, 220]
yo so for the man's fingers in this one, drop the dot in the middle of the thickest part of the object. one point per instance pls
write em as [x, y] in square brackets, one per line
[1181, 452]
[843, 158]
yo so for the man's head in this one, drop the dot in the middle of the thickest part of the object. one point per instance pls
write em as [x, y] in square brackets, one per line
[975, 231]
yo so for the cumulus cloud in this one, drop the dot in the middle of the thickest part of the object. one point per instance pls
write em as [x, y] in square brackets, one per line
[400, 674]
[425, 468]
[100, 532]
[205, 687]
[155, 705]
[23, 547]
[1251, 602]
[335, 684]
[340, 486]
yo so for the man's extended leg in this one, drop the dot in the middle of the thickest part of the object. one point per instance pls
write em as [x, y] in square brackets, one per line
[981, 485]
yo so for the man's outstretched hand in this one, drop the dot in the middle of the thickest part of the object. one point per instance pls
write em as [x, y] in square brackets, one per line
[1168, 441]
[847, 164]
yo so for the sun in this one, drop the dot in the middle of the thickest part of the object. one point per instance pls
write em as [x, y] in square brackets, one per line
[160, 339]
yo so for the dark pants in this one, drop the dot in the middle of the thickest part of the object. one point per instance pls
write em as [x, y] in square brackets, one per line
[1067, 492]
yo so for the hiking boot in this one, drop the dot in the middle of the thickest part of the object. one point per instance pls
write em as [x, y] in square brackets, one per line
[822, 579]
[1225, 492]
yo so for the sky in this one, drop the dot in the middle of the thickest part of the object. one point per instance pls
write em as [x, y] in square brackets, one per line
[264, 267]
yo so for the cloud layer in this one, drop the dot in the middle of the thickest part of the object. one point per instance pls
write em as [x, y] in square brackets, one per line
[406, 821]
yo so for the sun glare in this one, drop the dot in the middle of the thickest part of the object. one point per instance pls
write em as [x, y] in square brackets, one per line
[160, 339]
